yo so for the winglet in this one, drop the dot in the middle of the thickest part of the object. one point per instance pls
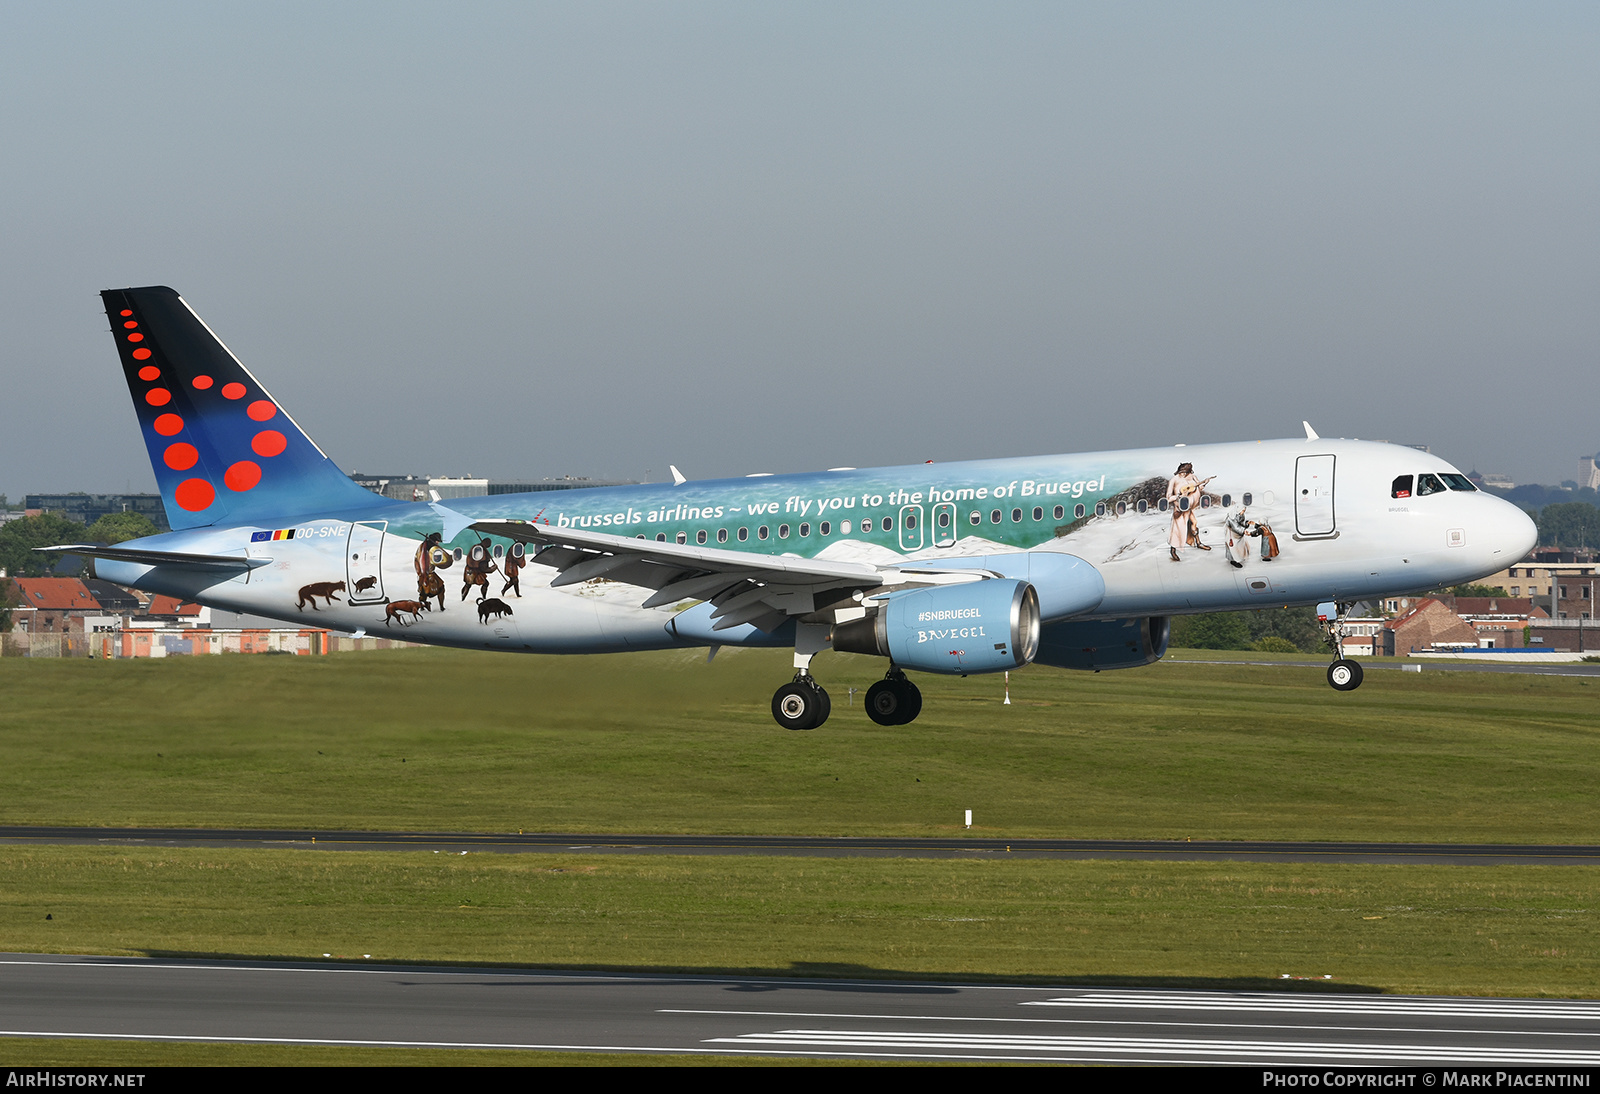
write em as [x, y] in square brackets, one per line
[1311, 434]
[677, 476]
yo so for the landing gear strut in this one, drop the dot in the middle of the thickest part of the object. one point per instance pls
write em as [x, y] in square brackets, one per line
[894, 700]
[1343, 674]
[802, 704]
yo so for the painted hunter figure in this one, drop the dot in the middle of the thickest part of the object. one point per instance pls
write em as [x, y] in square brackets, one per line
[1183, 500]
[430, 556]
[480, 564]
[513, 563]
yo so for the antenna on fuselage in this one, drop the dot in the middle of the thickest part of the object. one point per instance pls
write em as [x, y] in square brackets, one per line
[1311, 434]
[677, 476]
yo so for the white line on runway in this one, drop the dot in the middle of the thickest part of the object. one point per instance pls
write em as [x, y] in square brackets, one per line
[1364, 1004]
[1474, 1031]
[1255, 1050]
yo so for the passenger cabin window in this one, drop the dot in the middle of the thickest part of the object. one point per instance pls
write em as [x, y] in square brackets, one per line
[1401, 487]
[1061, 511]
[1077, 511]
[744, 534]
[722, 535]
[887, 524]
[700, 536]
[866, 525]
[1428, 484]
[975, 518]
[761, 532]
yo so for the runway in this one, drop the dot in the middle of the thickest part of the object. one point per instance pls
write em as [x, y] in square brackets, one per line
[1460, 854]
[1567, 668]
[341, 1004]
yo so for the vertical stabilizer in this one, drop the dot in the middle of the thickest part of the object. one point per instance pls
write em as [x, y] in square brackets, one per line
[221, 446]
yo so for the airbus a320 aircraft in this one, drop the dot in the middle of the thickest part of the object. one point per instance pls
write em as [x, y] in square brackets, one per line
[1077, 561]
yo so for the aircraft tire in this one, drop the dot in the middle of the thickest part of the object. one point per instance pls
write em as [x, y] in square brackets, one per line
[798, 706]
[824, 706]
[1344, 675]
[912, 700]
[884, 703]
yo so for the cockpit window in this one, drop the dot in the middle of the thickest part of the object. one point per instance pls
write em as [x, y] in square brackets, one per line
[1429, 484]
[1401, 487]
[1458, 482]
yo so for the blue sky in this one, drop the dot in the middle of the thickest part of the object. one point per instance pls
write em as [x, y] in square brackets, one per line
[530, 240]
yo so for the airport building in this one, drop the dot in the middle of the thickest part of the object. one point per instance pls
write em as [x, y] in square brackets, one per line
[88, 508]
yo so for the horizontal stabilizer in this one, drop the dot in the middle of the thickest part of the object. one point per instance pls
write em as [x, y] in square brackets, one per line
[145, 557]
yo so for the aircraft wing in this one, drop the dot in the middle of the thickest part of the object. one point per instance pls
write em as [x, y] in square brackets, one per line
[186, 559]
[762, 590]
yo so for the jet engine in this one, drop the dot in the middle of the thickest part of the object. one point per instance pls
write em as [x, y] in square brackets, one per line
[979, 626]
[1104, 644]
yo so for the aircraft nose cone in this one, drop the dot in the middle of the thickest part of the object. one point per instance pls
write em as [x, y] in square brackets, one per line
[1512, 533]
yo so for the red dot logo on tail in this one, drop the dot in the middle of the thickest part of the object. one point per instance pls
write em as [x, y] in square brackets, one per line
[233, 391]
[149, 372]
[141, 354]
[242, 476]
[269, 442]
[201, 382]
[181, 456]
[261, 410]
[168, 425]
[158, 396]
[193, 495]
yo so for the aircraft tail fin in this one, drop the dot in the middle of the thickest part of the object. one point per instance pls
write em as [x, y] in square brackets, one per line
[221, 446]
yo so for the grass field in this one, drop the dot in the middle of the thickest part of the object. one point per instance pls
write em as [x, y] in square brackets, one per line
[1431, 929]
[435, 739]
[438, 739]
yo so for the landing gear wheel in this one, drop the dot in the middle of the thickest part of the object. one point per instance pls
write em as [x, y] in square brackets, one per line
[1344, 675]
[800, 706]
[893, 702]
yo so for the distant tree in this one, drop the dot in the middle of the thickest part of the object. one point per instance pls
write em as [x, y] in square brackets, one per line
[1532, 497]
[1297, 626]
[1213, 631]
[1570, 524]
[7, 602]
[18, 538]
[120, 527]
[1273, 644]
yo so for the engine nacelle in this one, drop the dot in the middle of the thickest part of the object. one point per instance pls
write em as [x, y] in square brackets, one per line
[1105, 644]
[975, 627]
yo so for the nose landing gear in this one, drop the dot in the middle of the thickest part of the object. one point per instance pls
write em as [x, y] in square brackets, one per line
[1344, 674]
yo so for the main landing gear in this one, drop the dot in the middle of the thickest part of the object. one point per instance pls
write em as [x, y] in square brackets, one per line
[1343, 674]
[802, 704]
[894, 700]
